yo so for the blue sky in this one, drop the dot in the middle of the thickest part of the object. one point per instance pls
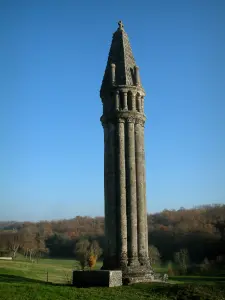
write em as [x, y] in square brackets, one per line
[52, 60]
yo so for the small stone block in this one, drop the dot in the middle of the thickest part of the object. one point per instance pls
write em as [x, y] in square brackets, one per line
[97, 278]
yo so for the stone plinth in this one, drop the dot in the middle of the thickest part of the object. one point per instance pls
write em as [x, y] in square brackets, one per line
[105, 278]
[136, 275]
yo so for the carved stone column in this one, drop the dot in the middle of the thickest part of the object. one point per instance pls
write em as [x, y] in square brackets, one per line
[125, 100]
[133, 101]
[106, 147]
[113, 73]
[138, 102]
[144, 189]
[111, 190]
[141, 206]
[131, 195]
[137, 75]
[117, 100]
[142, 104]
[122, 213]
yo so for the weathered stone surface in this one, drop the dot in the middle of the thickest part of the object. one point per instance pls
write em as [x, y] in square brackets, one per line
[131, 195]
[123, 118]
[106, 278]
[121, 56]
[122, 210]
[141, 208]
[141, 273]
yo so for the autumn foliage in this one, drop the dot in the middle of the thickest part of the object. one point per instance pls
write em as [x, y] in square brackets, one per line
[92, 259]
[200, 230]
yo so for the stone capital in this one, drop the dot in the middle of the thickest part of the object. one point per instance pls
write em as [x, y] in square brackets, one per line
[133, 94]
[124, 90]
[121, 120]
[140, 122]
[131, 120]
[138, 95]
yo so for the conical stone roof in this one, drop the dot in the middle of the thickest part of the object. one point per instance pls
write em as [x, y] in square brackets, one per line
[121, 55]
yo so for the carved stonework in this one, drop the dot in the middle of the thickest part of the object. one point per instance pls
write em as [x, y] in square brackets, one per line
[130, 120]
[123, 119]
[117, 100]
[140, 122]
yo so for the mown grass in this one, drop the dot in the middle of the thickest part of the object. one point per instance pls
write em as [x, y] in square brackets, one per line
[29, 290]
[51, 270]
[21, 291]
[209, 280]
[23, 280]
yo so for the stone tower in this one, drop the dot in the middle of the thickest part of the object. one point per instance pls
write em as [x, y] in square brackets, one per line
[123, 121]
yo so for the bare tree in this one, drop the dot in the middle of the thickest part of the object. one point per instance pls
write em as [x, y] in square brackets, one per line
[15, 241]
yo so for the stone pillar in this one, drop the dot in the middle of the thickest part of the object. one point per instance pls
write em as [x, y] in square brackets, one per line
[131, 195]
[133, 101]
[111, 195]
[117, 100]
[144, 190]
[106, 146]
[125, 100]
[137, 75]
[142, 104]
[138, 102]
[122, 214]
[113, 73]
[141, 206]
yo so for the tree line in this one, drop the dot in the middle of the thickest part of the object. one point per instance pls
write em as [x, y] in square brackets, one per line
[195, 235]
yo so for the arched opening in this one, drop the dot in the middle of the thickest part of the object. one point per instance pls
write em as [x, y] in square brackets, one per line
[121, 100]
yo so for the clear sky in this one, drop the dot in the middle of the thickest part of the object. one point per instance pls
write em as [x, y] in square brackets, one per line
[52, 60]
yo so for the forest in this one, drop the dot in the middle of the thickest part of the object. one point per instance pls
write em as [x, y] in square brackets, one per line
[197, 234]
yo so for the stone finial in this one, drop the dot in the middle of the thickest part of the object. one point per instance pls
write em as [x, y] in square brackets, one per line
[137, 75]
[113, 74]
[121, 55]
[121, 26]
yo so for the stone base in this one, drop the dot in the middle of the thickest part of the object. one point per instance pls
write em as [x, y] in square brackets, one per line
[142, 274]
[106, 278]
[131, 279]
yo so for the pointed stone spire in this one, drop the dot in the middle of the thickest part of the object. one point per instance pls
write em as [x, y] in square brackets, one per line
[121, 69]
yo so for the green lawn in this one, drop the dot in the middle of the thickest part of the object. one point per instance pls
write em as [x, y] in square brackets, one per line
[209, 280]
[23, 280]
[51, 270]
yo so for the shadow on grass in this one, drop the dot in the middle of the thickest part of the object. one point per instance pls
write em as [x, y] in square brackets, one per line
[13, 278]
[155, 287]
[5, 278]
[200, 291]
[198, 279]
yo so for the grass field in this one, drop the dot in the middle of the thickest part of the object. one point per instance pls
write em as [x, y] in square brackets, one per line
[51, 270]
[23, 280]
